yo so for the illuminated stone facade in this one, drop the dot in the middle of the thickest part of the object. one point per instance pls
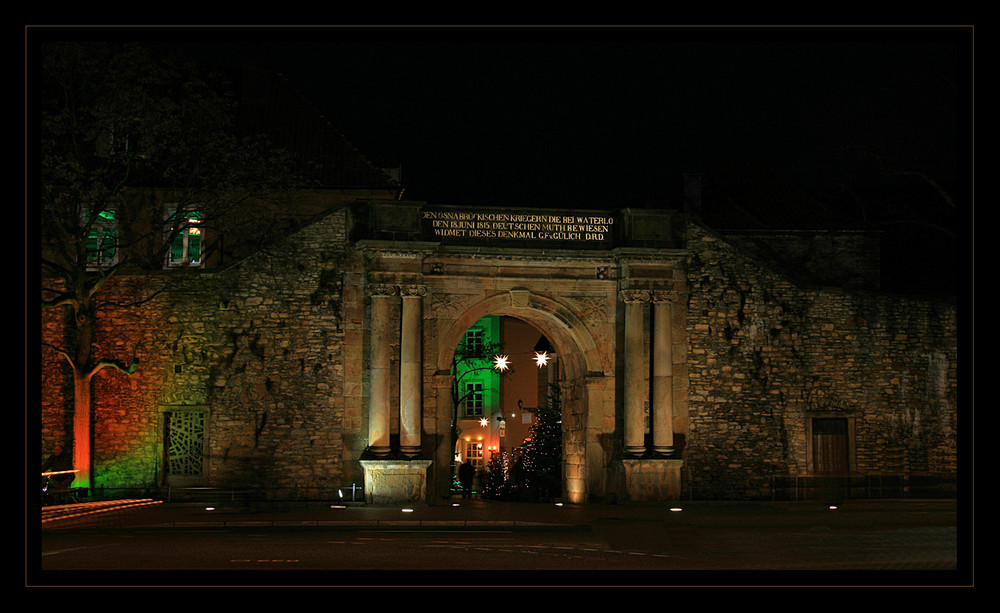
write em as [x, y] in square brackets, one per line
[686, 366]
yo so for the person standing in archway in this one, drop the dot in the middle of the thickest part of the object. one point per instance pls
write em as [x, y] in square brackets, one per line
[466, 472]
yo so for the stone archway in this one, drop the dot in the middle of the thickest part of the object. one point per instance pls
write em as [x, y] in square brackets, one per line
[601, 290]
[580, 371]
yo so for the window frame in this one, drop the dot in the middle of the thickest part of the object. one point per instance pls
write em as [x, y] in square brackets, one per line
[475, 400]
[474, 453]
[104, 227]
[191, 226]
[474, 341]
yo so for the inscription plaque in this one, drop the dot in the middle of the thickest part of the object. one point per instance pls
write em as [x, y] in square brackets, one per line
[553, 228]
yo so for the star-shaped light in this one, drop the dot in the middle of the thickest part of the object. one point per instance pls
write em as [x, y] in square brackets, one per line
[541, 358]
[484, 422]
[500, 362]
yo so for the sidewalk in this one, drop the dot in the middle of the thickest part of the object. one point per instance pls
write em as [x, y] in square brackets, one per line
[487, 514]
[459, 514]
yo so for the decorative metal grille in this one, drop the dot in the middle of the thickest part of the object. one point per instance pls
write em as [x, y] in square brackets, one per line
[185, 447]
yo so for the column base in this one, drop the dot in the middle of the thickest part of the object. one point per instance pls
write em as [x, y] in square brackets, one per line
[379, 453]
[652, 479]
[395, 481]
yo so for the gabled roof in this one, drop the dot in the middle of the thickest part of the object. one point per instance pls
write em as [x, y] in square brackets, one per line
[745, 194]
[270, 105]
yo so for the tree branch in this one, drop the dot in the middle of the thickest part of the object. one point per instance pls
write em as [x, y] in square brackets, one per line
[127, 369]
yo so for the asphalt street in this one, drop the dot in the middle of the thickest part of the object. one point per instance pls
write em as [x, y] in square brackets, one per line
[870, 542]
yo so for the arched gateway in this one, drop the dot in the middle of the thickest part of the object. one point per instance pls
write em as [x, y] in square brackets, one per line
[602, 287]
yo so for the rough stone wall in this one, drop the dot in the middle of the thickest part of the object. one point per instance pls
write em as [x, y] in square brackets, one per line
[273, 350]
[55, 400]
[258, 347]
[766, 355]
[277, 390]
[127, 426]
[830, 258]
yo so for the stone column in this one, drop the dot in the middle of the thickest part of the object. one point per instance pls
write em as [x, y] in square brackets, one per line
[410, 370]
[635, 375]
[662, 408]
[378, 403]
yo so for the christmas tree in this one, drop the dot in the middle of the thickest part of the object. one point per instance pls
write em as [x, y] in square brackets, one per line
[534, 471]
[542, 458]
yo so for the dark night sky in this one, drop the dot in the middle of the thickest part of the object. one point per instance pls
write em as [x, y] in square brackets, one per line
[615, 116]
[612, 117]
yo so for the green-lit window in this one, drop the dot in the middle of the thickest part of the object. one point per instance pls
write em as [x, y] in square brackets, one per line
[474, 399]
[102, 238]
[186, 245]
[474, 342]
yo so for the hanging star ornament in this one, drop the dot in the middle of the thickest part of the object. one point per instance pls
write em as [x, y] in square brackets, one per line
[541, 358]
[500, 362]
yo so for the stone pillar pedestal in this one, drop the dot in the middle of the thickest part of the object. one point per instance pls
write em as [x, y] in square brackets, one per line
[395, 481]
[652, 479]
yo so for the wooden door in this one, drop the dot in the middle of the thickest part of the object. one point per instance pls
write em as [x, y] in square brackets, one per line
[830, 446]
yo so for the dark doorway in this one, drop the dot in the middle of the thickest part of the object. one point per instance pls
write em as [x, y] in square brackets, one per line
[830, 446]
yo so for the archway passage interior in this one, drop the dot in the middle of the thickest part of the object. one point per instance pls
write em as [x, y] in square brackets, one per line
[505, 371]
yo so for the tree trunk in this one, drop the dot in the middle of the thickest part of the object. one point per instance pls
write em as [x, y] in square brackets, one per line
[84, 316]
[81, 429]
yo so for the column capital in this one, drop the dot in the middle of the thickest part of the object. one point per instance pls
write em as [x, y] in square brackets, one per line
[412, 290]
[382, 289]
[634, 295]
[665, 295]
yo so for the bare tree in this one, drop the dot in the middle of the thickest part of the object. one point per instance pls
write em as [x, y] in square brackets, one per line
[470, 360]
[137, 157]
